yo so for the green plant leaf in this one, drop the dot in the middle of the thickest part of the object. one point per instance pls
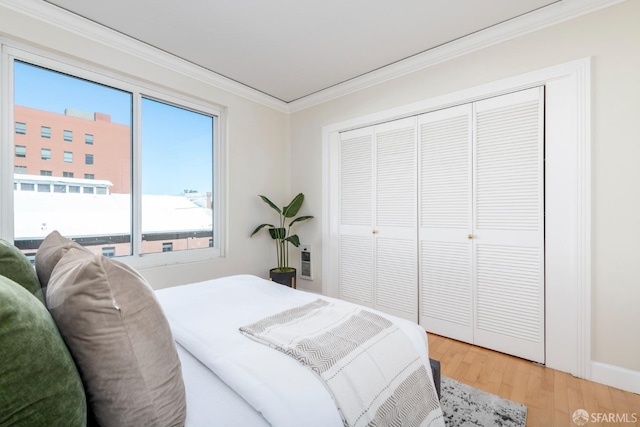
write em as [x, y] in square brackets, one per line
[292, 208]
[278, 233]
[300, 219]
[294, 240]
[260, 227]
[270, 203]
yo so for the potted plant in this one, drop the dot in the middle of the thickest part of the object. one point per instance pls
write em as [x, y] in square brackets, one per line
[284, 274]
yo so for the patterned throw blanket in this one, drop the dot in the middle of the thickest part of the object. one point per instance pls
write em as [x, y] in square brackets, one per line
[369, 366]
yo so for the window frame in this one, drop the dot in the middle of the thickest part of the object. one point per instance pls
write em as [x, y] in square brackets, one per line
[139, 88]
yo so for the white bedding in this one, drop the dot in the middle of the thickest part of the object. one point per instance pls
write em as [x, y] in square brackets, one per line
[205, 318]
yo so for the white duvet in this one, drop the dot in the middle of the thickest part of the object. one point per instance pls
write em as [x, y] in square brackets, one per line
[205, 318]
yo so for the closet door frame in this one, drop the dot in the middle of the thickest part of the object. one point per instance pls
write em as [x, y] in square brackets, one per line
[568, 200]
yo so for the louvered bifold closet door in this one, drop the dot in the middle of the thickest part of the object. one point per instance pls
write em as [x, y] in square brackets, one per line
[508, 235]
[445, 139]
[356, 261]
[395, 231]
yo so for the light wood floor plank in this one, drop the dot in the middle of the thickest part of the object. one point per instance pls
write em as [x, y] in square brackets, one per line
[551, 396]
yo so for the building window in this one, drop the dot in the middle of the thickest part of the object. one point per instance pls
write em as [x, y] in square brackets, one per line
[210, 243]
[109, 251]
[59, 188]
[68, 156]
[45, 173]
[44, 188]
[27, 186]
[178, 149]
[21, 128]
[31, 256]
[20, 169]
[167, 247]
[89, 176]
[21, 151]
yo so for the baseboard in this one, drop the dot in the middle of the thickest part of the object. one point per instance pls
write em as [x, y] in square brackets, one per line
[615, 376]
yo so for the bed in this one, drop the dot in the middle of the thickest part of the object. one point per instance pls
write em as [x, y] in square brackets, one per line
[87, 341]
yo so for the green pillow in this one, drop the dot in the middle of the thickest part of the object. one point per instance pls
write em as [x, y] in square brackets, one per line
[16, 266]
[39, 382]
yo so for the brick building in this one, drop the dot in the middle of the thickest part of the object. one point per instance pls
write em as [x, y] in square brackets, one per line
[73, 145]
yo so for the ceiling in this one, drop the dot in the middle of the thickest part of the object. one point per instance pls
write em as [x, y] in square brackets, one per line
[290, 49]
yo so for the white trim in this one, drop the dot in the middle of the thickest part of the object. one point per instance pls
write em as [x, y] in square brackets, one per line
[615, 376]
[58, 17]
[545, 17]
[551, 15]
[568, 343]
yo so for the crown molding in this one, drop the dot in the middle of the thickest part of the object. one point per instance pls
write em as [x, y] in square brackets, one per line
[553, 14]
[58, 17]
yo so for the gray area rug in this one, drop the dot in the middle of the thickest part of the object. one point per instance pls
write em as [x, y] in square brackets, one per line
[467, 406]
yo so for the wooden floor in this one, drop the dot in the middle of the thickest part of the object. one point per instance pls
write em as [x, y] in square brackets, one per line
[551, 396]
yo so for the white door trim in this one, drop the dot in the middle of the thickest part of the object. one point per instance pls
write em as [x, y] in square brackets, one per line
[568, 200]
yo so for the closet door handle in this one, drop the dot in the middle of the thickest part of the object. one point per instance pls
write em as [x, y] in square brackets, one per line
[374, 231]
[470, 236]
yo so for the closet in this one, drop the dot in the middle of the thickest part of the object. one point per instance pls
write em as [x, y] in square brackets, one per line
[441, 221]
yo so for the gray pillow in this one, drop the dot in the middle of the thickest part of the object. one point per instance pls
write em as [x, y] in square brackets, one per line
[120, 339]
[51, 250]
[17, 267]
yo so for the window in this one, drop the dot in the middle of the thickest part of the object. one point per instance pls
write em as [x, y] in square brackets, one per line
[31, 257]
[27, 186]
[21, 128]
[20, 169]
[21, 151]
[174, 158]
[44, 188]
[45, 173]
[109, 251]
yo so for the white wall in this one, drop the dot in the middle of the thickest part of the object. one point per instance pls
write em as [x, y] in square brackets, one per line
[257, 145]
[612, 38]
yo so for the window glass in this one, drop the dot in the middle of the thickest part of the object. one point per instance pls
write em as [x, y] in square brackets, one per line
[20, 169]
[88, 159]
[59, 188]
[109, 251]
[88, 190]
[68, 156]
[26, 186]
[177, 177]
[21, 128]
[44, 188]
[21, 151]
[89, 176]
[42, 96]
[46, 173]
[88, 138]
